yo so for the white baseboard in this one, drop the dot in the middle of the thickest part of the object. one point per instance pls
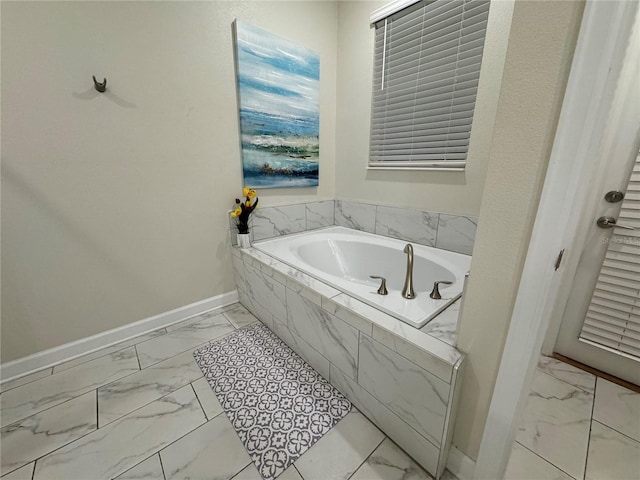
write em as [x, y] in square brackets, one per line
[460, 465]
[69, 351]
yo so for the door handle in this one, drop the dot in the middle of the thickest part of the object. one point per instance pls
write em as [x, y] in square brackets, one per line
[610, 222]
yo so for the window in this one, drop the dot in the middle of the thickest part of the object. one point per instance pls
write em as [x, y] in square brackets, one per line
[426, 68]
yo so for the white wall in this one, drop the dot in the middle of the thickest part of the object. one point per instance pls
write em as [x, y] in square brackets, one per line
[114, 205]
[449, 192]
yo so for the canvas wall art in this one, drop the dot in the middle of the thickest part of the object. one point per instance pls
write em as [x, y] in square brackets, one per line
[278, 85]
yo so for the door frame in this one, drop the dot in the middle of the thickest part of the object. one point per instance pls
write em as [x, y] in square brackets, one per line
[574, 162]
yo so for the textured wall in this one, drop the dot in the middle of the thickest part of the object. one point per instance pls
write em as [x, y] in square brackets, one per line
[541, 44]
[114, 205]
[449, 192]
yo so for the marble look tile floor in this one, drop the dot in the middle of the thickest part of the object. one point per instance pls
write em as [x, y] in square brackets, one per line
[576, 426]
[143, 410]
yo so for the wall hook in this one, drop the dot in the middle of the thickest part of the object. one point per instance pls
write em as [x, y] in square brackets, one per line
[101, 87]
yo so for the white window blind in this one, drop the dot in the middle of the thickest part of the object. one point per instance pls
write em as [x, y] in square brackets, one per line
[426, 70]
[613, 317]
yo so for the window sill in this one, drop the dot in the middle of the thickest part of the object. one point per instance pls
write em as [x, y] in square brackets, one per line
[419, 168]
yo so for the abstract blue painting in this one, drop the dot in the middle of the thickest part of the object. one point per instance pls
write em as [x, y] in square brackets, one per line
[279, 112]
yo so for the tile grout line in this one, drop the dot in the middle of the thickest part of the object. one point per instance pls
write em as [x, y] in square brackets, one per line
[52, 368]
[615, 430]
[52, 451]
[97, 412]
[153, 365]
[391, 411]
[196, 347]
[135, 348]
[112, 346]
[222, 309]
[541, 370]
[596, 372]
[177, 440]
[191, 317]
[147, 404]
[125, 347]
[593, 394]
[42, 411]
[543, 459]
[138, 464]
[198, 398]
[242, 470]
[156, 399]
[358, 356]
[593, 406]
[296, 468]
[384, 437]
[27, 383]
[164, 475]
[111, 423]
[6, 474]
[86, 361]
[375, 220]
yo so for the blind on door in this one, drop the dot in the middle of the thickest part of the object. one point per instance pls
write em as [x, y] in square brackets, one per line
[426, 69]
[613, 317]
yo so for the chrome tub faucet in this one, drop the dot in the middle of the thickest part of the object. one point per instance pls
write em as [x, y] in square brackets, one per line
[407, 290]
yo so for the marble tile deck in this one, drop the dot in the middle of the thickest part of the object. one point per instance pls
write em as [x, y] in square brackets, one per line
[576, 426]
[106, 416]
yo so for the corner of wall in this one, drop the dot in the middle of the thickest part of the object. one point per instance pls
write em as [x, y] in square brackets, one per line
[541, 41]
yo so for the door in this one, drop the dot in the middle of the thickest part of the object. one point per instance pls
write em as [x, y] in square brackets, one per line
[601, 323]
[602, 328]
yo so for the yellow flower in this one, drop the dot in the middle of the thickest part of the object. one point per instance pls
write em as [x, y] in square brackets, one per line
[249, 192]
[236, 212]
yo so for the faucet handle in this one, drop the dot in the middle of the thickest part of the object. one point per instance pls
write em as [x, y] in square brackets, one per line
[435, 293]
[383, 285]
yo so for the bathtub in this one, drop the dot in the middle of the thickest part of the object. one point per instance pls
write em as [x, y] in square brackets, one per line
[345, 258]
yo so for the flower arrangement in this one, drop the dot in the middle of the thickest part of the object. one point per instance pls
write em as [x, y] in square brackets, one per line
[244, 209]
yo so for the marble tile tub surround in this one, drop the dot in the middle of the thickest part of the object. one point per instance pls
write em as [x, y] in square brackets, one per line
[261, 281]
[358, 348]
[448, 232]
[268, 222]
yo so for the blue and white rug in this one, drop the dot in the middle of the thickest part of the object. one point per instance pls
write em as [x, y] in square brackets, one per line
[277, 403]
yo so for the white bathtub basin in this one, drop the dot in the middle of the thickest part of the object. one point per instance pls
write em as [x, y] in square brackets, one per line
[345, 259]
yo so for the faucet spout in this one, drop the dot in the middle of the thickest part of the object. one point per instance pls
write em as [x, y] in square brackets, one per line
[407, 290]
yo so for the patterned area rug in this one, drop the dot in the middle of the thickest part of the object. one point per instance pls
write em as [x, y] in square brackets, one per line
[277, 403]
